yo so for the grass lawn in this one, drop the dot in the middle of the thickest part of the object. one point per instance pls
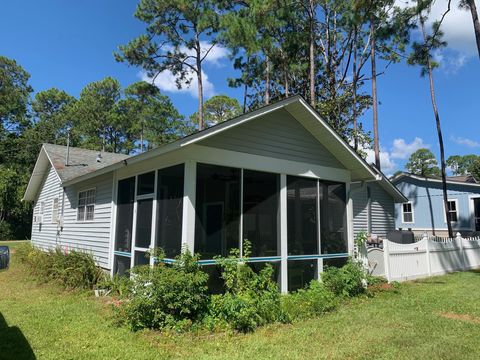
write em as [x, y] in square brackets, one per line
[437, 318]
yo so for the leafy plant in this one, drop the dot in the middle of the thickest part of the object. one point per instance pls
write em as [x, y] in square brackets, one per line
[250, 299]
[166, 296]
[349, 280]
[315, 300]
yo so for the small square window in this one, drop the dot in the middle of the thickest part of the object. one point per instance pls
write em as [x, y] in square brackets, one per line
[452, 210]
[86, 205]
[407, 213]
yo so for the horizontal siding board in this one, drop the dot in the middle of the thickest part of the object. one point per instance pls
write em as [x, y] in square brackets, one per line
[276, 135]
[92, 236]
[383, 211]
[360, 211]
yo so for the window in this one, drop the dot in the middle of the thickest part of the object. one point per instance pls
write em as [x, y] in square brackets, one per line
[55, 210]
[302, 216]
[125, 200]
[170, 210]
[333, 217]
[217, 225]
[407, 213]
[86, 205]
[143, 230]
[452, 210]
[260, 212]
[41, 210]
[146, 183]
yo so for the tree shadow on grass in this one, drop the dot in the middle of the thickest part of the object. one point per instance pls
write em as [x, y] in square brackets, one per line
[13, 344]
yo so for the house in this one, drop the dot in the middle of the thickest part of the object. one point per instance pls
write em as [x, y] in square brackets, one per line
[425, 211]
[279, 177]
[374, 206]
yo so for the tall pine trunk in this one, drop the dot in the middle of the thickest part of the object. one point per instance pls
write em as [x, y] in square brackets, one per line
[376, 144]
[440, 136]
[200, 85]
[476, 22]
[267, 81]
[355, 80]
[312, 53]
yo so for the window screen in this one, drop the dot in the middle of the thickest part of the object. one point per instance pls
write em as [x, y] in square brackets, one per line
[217, 210]
[170, 210]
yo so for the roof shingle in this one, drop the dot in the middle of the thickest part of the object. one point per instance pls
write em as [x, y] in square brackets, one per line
[80, 161]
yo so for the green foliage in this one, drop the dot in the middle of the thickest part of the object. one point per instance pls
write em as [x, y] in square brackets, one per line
[166, 296]
[313, 301]
[14, 94]
[347, 281]
[179, 36]
[423, 163]
[72, 269]
[217, 109]
[250, 299]
[463, 165]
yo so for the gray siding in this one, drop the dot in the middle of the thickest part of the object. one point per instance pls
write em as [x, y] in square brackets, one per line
[383, 211]
[44, 234]
[360, 210]
[91, 236]
[276, 135]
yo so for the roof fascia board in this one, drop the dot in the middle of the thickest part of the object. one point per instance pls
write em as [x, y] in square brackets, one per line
[397, 179]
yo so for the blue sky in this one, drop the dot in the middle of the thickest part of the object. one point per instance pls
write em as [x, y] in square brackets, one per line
[67, 44]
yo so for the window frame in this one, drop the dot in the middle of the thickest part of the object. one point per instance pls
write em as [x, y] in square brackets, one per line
[54, 219]
[411, 212]
[445, 210]
[85, 220]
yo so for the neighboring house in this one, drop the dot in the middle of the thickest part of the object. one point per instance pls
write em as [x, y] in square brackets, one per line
[374, 206]
[425, 211]
[279, 177]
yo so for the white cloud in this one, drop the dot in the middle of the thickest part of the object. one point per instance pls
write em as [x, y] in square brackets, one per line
[464, 141]
[402, 150]
[458, 33]
[387, 164]
[166, 81]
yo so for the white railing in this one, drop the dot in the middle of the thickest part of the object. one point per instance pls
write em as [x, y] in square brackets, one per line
[429, 257]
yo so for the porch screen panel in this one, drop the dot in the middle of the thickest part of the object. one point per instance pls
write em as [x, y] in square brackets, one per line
[302, 217]
[143, 231]
[301, 273]
[125, 200]
[260, 212]
[170, 210]
[333, 221]
[217, 210]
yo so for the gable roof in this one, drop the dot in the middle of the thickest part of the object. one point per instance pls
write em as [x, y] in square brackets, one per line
[296, 106]
[80, 162]
[453, 180]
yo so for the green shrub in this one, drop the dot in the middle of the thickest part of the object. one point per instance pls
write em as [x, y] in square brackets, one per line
[117, 284]
[250, 299]
[72, 269]
[349, 280]
[166, 296]
[315, 300]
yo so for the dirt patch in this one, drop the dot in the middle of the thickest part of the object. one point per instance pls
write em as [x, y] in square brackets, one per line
[462, 317]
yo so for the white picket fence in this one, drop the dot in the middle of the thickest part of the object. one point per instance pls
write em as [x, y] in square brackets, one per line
[428, 257]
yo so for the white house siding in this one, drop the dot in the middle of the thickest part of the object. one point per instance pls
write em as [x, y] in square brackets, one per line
[92, 236]
[382, 210]
[44, 234]
[360, 208]
[276, 135]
